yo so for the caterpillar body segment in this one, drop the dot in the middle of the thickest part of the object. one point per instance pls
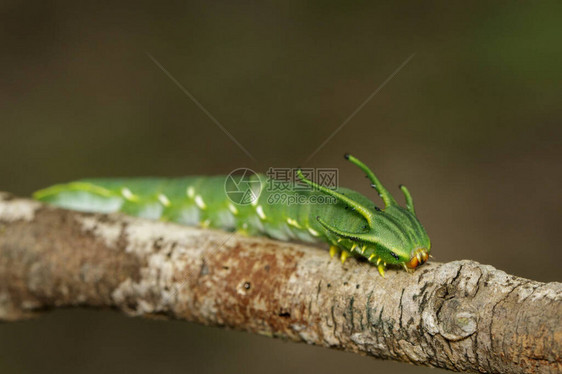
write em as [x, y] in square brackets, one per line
[347, 220]
[197, 201]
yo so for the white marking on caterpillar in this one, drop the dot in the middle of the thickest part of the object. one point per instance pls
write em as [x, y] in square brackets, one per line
[294, 223]
[127, 194]
[200, 203]
[260, 212]
[164, 200]
[232, 208]
[255, 201]
[313, 232]
[190, 192]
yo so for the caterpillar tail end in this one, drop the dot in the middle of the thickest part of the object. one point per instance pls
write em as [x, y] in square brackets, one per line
[45, 193]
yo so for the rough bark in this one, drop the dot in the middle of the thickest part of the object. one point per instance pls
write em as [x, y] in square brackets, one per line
[461, 315]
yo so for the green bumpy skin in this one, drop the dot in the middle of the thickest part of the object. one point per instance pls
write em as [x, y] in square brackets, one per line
[351, 223]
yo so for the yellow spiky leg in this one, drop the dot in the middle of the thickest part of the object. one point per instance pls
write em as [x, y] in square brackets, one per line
[244, 230]
[344, 255]
[381, 265]
[408, 270]
[381, 269]
[334, 250]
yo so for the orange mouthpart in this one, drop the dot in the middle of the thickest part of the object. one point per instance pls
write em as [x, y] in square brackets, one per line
[419, 257]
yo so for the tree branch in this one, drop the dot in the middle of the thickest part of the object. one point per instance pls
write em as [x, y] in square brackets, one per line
[461, 315]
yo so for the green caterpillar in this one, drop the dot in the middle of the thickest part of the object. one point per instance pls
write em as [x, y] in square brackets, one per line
[350, 223]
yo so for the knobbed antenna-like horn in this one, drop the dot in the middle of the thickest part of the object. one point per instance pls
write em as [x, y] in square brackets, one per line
[377, 185]
[409, 200]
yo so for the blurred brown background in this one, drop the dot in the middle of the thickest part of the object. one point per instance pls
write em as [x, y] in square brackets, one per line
[471, 125]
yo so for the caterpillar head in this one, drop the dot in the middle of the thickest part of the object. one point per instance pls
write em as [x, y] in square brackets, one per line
[392, 235]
